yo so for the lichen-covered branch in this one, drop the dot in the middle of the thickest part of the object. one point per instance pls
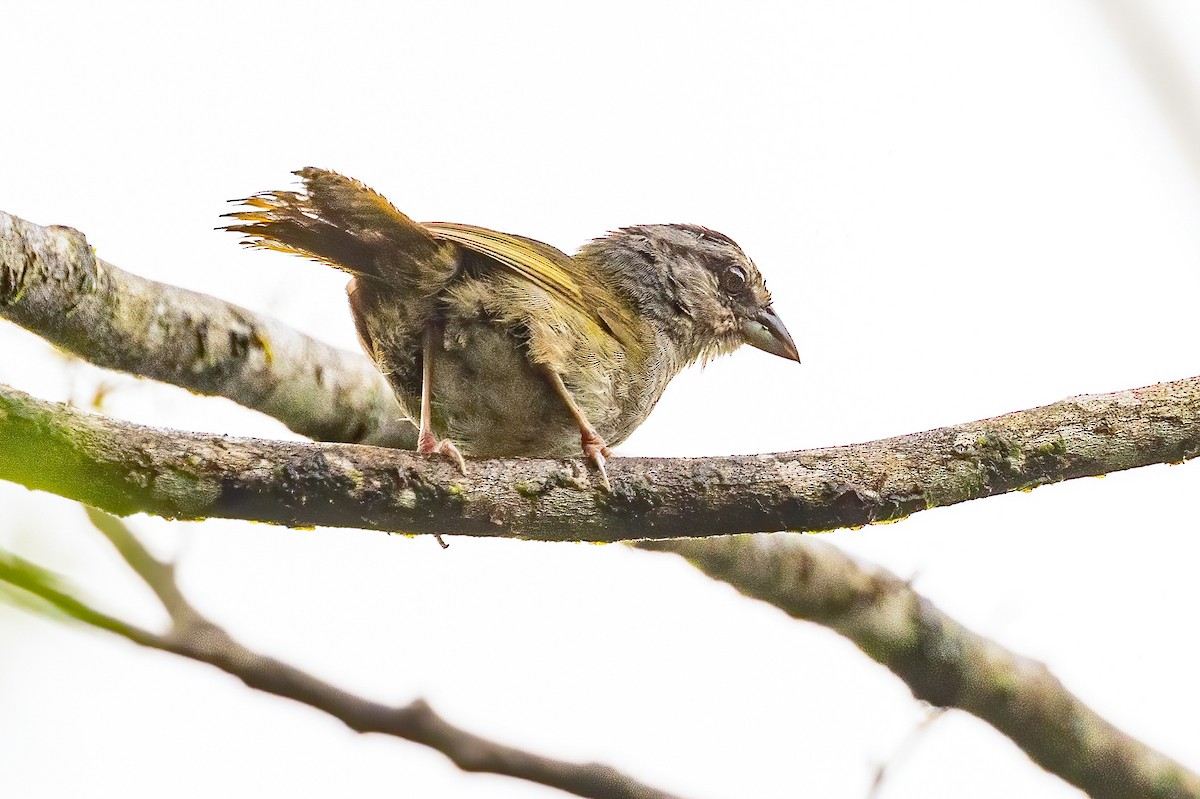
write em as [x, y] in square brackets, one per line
[941, 661]
[194, 636]
[52, 283]
[125, 468]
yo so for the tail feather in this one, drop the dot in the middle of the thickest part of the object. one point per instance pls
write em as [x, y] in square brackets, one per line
[342, 222]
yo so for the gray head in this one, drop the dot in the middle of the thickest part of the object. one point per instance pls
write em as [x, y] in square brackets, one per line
[695, 282]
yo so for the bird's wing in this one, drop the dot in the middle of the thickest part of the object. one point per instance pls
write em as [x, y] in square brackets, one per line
[540, 264]
[548, 268]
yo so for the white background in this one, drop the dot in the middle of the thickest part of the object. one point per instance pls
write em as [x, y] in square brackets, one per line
[962, 209]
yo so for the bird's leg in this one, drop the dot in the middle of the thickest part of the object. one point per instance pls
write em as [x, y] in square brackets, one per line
[594, 448]
[427, 442]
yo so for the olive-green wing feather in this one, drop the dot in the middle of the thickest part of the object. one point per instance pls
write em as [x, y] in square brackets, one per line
[343, 222]
[549, 268]
[539, 263]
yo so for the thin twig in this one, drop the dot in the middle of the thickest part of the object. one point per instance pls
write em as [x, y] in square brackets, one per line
[159, 576]
[196, 637]
[35, 580]
[906, 747]
[943, 662]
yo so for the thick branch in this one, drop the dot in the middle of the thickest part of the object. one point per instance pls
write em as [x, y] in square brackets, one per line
[125, 468]
[942, 662]
[52, 283]
[195, 636]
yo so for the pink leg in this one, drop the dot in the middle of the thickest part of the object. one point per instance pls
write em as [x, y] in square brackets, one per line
[427, 442]
[594, 448]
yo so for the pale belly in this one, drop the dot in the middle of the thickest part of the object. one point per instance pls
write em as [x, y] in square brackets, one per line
[492, 402]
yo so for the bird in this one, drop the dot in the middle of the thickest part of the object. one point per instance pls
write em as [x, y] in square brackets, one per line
[498, 345]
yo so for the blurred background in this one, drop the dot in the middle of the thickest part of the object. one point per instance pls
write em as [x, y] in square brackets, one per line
[962, 209]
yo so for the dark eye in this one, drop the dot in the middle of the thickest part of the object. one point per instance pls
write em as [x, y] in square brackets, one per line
[733, 280]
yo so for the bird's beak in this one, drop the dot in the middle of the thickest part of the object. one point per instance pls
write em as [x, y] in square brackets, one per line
[767, 333]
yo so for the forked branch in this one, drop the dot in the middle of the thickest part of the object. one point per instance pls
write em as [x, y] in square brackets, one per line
[193, 635]
[51, 283]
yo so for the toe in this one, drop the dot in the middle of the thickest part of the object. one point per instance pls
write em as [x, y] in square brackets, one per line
[595, 453]
[427, 444]
[447, 448]
[604, 477]
[432, 445]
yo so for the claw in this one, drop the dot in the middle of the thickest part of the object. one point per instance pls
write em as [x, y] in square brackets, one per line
[447, 448]
[428, 444]
[595, 450]
[431, 445]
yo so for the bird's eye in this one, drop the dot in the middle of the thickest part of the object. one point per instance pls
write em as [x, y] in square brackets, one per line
[733, 279]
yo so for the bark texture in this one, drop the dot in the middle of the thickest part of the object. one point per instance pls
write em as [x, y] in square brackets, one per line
[52, 283]
[125, 468]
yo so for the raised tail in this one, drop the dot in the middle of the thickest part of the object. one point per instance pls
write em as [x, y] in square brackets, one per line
[342, 222]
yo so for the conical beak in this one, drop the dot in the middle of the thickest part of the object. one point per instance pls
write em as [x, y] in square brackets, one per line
[767, 333]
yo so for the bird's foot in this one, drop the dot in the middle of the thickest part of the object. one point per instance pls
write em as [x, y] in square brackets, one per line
[595, 451]
[429, 444]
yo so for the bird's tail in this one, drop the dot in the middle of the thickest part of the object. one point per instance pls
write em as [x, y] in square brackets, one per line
[342, 222]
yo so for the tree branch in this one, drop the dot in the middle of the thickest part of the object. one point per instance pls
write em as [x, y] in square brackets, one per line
[52, 284]
[44, 585]
[942, 661]
[194, 636]
[125, 468]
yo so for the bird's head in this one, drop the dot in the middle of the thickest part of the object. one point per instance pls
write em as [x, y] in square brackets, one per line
[698, 284]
